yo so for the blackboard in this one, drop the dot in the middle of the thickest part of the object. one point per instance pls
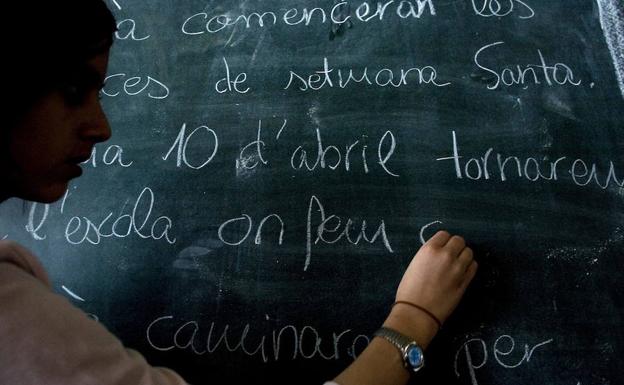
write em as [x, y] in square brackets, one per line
[275, 165]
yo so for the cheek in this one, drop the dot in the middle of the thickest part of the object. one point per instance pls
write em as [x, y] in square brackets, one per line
[38, 149]
[33, 154]
[43, 139]
[35, 174]
[31, 168]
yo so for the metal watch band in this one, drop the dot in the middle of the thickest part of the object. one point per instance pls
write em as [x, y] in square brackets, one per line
[397, 339]
[411, 353]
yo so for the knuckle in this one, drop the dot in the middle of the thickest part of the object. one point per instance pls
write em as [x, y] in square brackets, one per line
[472, 269]
[447, 254]
[431, 248]
[426, 248]
[460, 240]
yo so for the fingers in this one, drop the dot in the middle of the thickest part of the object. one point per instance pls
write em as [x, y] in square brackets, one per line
[439, 274]
[439, 239]
[470, 273]
[442, 238]
[456, 244]
[465, 258]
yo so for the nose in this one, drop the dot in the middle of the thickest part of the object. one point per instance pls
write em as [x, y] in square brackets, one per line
[97, 128]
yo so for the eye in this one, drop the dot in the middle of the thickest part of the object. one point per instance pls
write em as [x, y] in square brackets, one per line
[81, 85]
[100, 89]
[75, 94]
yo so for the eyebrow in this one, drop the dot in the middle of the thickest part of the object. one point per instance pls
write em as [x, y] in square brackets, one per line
[87, 75]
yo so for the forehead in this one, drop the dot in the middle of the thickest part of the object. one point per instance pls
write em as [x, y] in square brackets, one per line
[100, 61]
[90, 72]
[99, 64]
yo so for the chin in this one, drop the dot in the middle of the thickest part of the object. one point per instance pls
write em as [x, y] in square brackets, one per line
[46, 194]
[53, 195]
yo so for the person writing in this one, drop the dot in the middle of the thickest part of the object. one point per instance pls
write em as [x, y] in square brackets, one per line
[55, 71]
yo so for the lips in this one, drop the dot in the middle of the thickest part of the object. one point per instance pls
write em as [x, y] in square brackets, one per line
[82, 158]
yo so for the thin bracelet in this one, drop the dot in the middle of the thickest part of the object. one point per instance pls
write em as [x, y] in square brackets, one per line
[430, 314]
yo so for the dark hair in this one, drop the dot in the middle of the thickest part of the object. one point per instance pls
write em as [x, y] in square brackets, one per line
[44, 41]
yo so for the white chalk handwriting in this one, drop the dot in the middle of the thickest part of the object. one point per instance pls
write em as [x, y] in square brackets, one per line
[612, 22]
[321, 228]
[504, 350]
[331, 156]
[126, 30]
[181, 143]
[248, 224]
[231, 83]
[250, 156]
[202, 23]
[133, 86]
[425, 227]
[492, 166]
[116, 3]
[31, 227]
[502, 8]
[329, 229]
[113, 156]
[330, 77]
[558, 74]
[288, 343]
[139, 222]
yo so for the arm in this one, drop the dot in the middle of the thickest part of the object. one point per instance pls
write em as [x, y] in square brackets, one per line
[46, 340]
[436, 280]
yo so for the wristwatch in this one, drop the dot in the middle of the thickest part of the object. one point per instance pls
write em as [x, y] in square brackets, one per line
[412, 354]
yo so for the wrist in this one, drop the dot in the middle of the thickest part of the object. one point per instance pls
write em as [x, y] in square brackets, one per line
[412, 323]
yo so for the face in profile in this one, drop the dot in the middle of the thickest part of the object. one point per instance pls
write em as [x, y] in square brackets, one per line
[46, 147]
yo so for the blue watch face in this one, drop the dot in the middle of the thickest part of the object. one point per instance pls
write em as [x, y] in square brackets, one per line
[415, 357]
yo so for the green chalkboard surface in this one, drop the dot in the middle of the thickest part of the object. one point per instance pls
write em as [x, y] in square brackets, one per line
[275, 165]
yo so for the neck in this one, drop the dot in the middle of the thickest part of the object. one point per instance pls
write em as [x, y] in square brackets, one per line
[4, 196]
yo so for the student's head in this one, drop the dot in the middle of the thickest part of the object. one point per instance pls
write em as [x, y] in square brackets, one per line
[55, 56]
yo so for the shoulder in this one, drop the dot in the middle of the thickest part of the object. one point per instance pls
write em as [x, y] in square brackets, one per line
[15, 254]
